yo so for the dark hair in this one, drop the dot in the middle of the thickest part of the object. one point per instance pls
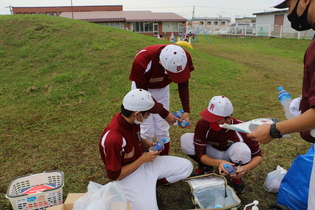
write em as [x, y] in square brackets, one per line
[127, 113]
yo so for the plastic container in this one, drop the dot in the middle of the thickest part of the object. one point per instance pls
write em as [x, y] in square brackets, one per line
[255, 207]
[229, 168]
[179, 114]
[285, 99]
[23, 192]
[159, 145]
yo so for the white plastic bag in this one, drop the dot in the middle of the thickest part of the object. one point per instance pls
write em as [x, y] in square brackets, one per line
[106, 197]
[273, 179]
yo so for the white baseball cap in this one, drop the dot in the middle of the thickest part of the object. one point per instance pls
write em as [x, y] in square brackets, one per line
[279, 4]
[236, 156]
[174, 60]
[138, 100]
[218, 108]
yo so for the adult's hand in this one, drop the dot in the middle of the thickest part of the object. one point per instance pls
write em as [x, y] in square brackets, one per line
[261, 134]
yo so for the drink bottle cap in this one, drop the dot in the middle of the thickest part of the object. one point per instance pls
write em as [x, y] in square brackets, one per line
[164, 140]
[280, 88]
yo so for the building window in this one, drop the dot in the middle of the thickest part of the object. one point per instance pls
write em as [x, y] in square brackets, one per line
[215, 23]
[120, 25]
[223, 23]
[208, 22]
[148, 26]
[47, 13]
[33, 13]
[201, 22]
[170, 27]
[143, 27]
[41, 13]
[55, 14]
[25, 13]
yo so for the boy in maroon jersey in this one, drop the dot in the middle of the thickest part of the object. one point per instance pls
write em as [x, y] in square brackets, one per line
[210, 145]
[153, 69]
[127, 158]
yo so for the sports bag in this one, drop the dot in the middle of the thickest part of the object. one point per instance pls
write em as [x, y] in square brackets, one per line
[211, 191]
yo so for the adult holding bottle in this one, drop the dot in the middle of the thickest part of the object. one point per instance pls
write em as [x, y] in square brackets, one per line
[153, 69]
[301, 14]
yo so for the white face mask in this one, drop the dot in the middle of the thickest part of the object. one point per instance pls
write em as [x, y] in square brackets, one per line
[140, 122]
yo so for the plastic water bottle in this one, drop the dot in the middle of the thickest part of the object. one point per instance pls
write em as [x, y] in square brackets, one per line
[179, 114]
[285, 99]
[159, 145]
[229, 168]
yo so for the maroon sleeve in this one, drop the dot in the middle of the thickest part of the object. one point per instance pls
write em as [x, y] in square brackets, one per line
[141, 86]
[159, 109]
[189, 61]
[111, 154]
[200, 137]
[183, 88]
[183, 91]
[306, 135]
[138, 67]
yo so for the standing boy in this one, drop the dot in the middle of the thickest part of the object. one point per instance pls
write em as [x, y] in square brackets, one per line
[153, 69]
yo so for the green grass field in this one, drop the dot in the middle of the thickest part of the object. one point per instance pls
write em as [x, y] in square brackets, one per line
[61, 81]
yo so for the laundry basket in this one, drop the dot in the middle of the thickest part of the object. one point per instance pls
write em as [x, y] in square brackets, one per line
[36, 191]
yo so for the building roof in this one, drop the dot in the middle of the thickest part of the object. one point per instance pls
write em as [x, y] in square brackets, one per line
[118, 5]
[124, 16]
[211, 18]
[271, 12]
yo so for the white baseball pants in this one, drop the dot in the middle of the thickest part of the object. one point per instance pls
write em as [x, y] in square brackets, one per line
[140, 186]
[238, 151]
[155, 125]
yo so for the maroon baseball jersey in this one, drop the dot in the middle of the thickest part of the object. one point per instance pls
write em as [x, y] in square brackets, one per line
[147, 70]
[148, 73]
[222, 139]
[308, 88]
[119, 145]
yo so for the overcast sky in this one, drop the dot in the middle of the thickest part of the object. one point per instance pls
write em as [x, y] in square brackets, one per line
[185, 8]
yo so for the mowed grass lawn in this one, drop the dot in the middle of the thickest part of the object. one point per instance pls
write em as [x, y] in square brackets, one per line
[62, 80]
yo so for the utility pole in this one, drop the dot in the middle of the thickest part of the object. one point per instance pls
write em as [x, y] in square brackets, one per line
[10, 7]
[193, 17]
[72, 9]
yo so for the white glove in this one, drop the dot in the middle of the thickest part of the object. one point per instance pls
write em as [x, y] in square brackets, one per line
[295, 107]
